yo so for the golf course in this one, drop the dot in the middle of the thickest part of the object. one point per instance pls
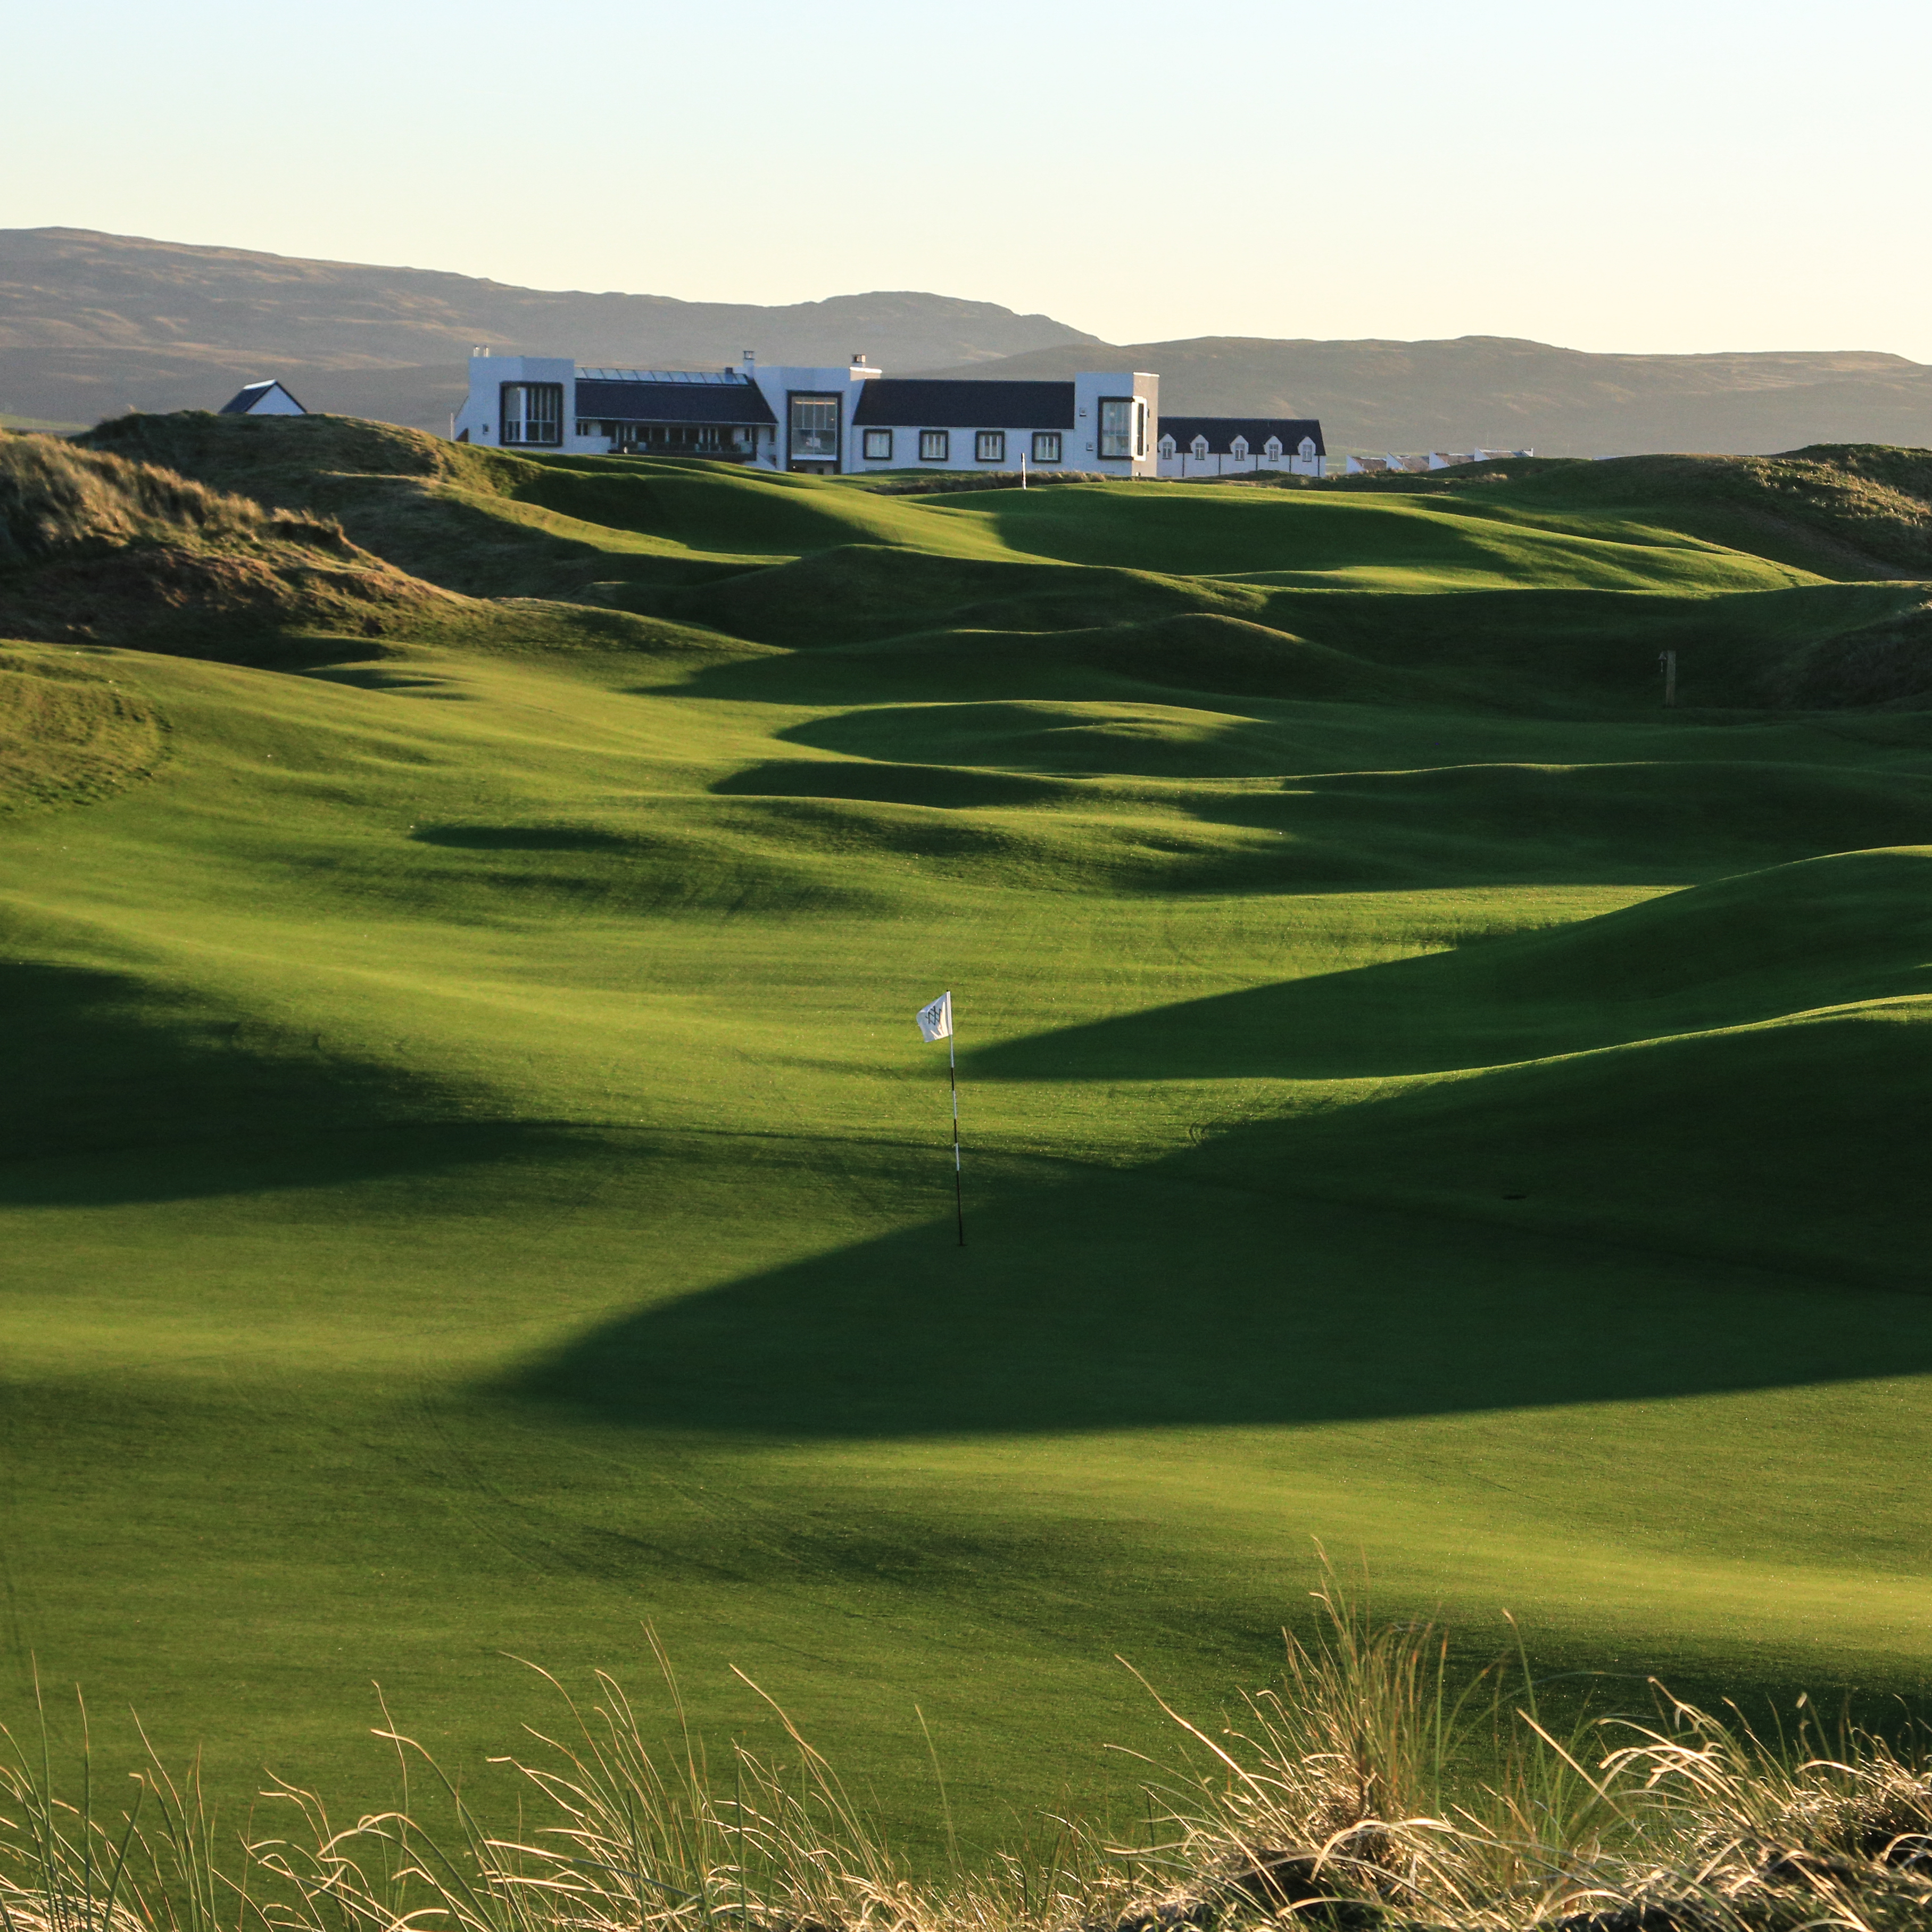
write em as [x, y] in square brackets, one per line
[473, 1187]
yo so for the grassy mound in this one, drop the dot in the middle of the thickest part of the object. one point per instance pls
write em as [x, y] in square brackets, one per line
[472, 1181]
[69, 735]
[1844, 510]
[95, 547]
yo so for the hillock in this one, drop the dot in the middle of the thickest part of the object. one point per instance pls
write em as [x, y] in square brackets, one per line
[95, 547]
[1845, 511]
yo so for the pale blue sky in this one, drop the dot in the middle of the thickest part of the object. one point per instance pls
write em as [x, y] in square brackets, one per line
[1699, 175]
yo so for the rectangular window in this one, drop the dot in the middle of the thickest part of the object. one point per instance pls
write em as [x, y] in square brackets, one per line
[814, 429]
[1140, 427]
[1046, 445]
[532, 413]
[934, 445]
[1117, 426]
[878, 445]
[990, 446]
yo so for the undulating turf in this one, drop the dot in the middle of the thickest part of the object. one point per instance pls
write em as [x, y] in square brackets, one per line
[472, 1183]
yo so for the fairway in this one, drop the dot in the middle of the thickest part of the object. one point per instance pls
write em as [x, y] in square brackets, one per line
[472, 1184]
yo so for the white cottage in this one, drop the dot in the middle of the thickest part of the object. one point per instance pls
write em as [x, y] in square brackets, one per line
[1234, 445]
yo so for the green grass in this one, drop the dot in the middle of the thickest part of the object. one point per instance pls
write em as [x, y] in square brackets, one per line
[471, 1184]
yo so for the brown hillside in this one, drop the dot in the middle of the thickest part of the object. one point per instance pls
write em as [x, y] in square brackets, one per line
[97, 548]
[1486, 392]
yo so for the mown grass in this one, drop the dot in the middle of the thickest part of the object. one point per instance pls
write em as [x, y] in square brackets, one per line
[470, 1180]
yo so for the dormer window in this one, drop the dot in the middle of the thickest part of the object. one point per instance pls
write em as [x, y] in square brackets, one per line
[1307, 447]
[1198, 448]
[1239, 447]
[1167, 446]
[1271, 449]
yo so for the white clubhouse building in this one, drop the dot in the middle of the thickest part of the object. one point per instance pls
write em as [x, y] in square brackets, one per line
[849, 420]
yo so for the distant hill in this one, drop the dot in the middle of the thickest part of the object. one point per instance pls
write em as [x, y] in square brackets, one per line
[92, 324]
[1498, 392]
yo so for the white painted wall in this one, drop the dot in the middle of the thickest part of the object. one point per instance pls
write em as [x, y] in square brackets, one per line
[780, 381]
[1088, 388]
[487, 373]
[1078, 444]
[961, 445]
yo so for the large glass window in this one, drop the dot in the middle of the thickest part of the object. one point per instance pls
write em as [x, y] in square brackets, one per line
[1117, 426]
[933, 446]
[532, 412]
[878, 445]
[814, 429]
[1046, 445]
[990, 446]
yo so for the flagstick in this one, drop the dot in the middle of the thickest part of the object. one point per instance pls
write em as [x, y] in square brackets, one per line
[958, 1186]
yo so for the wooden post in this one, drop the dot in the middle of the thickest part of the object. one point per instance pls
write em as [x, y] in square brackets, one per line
[1667, 664]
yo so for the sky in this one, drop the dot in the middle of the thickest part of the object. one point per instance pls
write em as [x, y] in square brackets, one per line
[1694, 176]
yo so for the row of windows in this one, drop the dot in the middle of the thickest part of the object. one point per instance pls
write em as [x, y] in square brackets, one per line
[1239, 447]
[739, 444]
[935, 446]
[532, 413]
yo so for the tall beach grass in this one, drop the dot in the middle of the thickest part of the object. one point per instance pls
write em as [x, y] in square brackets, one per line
[1374, 1786]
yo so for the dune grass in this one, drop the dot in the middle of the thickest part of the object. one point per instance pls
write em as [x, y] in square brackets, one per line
[1369, 1786]
[472, 1183]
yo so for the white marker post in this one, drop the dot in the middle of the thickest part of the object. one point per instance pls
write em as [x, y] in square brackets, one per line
[1666, 662]
[935, 1022]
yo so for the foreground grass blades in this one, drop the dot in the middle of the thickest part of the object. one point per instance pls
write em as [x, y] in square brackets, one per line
[1368, 1789]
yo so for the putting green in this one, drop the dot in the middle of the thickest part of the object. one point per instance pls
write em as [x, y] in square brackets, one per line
[473, 1183]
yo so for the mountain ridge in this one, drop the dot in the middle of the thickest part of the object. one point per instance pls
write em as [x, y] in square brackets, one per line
[1493, 391]
[92, 324]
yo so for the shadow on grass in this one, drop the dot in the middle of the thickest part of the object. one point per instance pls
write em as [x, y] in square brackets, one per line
[1479, 1265]
[1734, 1203]
[555, 838]
[121, 1092]
[1850, 927]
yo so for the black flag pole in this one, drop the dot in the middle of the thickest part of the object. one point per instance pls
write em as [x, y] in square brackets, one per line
[935, 1022]
[953, 1070]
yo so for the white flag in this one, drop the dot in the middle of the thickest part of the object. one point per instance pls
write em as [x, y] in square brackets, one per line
[935, 1021]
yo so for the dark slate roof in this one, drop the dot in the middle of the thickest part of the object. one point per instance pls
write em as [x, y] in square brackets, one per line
[734, 403]
[1221, 432]
[908, 403]
[245, 399]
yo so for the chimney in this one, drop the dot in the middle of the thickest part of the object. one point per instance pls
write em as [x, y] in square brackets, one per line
[858, 362]
[750, 358]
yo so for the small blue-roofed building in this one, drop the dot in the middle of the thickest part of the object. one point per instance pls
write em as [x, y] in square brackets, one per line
[262, 399]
